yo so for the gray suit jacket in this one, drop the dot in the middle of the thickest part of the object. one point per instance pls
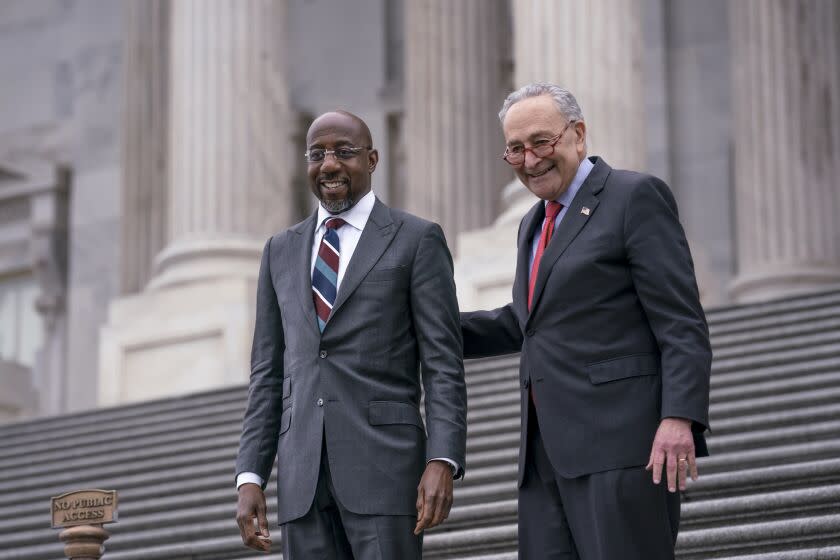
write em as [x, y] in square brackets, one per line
[616, 339]
[358, 383]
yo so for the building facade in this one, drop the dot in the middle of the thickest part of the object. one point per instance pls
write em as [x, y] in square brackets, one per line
[149, 147]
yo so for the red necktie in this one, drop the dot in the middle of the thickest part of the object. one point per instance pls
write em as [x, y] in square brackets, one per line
[551, 210]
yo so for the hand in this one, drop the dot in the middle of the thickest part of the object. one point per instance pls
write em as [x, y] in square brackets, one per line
[673, 447]
[434, 495]
[250, 506]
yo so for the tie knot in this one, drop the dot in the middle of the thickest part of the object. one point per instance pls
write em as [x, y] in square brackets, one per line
[334, 223]
[552, 209]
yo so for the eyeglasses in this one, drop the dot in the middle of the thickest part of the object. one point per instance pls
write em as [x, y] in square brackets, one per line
[317, 155]
[540, 149]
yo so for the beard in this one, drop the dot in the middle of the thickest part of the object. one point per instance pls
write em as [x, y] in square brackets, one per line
[337, 206]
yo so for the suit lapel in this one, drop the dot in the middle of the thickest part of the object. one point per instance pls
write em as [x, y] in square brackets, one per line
[303, 279]
[571, 224]
[376, 236]
[532, 219]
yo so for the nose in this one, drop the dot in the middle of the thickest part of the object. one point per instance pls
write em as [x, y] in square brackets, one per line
[330, 163]
[530, 159]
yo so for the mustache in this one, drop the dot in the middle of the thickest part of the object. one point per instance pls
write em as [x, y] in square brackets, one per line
[333, 177]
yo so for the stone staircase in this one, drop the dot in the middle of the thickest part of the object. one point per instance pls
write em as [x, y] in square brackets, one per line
[770, 491]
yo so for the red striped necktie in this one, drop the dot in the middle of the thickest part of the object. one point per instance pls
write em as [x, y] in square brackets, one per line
[325, 272]
[551, 210]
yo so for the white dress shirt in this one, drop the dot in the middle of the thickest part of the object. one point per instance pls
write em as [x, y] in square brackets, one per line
[348, 237]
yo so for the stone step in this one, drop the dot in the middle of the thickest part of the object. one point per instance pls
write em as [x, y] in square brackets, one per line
[809, 501]
[734, 316]
[769, 491]
[820, 553]
[759, 537]
[775, 419]
[775, 387]
[747, 375]
[806, 432]
[492, 401]
[762, 346]
[484, 451]
[775, 327]
[226, 424]
[786, 475]
[195, 404]
[774, 358]
[141, 412]
[754, 405]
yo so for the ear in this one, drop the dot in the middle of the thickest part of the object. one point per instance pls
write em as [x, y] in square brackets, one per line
[373, 159]
[580, 137]
[580, 132]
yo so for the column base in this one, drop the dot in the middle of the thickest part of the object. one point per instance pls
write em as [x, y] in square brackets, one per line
[18, 398]
[772, 282]
[178, 339]
[486, 263]
[189, 261]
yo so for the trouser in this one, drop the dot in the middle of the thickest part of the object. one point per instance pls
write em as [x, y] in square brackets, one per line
[331, 532]
[612, 515]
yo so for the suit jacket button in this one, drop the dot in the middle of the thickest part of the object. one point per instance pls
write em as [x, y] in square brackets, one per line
[322, 353]
[320, 402]
[530, 332]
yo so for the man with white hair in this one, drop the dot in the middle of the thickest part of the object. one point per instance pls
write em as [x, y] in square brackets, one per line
[615, 355]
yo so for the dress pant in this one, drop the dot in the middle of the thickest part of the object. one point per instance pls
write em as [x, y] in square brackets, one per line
[329, 531]
[612, 515]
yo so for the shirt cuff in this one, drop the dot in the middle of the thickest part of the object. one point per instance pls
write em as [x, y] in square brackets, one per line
[456, 469]
[248, 477]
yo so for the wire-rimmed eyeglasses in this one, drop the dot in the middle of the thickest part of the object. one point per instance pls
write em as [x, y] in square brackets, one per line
[541, 149]
[344, 153]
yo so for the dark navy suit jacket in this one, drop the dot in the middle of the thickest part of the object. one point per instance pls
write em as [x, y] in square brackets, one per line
[616, 339]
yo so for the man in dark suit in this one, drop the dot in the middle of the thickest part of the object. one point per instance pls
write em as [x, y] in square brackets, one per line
[615, 355]
[350, 303]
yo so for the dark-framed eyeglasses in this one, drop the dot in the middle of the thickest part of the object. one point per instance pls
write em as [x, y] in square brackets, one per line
[344, 153]
[542, 148]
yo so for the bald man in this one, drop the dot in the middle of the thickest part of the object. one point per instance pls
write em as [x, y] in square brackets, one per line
[350, 303]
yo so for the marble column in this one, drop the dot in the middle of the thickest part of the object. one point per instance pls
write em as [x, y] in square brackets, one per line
[230, 138]
[594, 49]
[456, 60]
[228, 184]
[145, 140]
[786, 77]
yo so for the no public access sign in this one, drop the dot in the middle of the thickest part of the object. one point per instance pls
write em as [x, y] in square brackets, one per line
[84, 507]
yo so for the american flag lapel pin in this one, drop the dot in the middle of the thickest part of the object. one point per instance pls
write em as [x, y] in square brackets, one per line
[585, 210]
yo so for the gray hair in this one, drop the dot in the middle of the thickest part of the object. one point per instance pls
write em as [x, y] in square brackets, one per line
[563, 98]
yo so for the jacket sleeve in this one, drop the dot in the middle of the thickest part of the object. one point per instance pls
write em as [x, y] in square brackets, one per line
[261, 424]
[663, 275]
[491, 333]
[434, 314]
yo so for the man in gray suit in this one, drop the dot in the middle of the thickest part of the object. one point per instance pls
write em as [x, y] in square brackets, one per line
[615, 363]
[350, 303]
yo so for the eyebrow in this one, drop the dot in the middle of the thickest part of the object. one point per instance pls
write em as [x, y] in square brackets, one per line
[338, 143]
[533, 136]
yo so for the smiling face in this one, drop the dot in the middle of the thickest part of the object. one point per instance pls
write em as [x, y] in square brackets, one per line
[340, 183]
[537, 119]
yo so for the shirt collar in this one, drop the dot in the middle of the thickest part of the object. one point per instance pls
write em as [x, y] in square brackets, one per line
[583, 171]
[357, 216]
